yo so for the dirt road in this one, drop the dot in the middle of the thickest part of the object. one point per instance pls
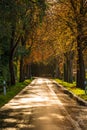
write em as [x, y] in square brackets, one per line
[43, 106]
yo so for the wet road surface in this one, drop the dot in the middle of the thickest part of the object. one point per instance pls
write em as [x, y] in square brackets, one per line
[43, 106]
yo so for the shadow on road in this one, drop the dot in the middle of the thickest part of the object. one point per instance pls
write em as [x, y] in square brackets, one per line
[38, 107]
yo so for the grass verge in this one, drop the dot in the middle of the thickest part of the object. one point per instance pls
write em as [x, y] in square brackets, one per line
[12, 91]
[72, 87]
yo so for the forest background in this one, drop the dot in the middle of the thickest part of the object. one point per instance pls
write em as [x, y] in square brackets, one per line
[43, 38]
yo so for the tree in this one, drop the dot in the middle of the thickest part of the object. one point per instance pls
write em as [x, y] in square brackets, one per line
[30, 22]
[14, 13]
[80, 17]
[77, 14]
[63, 36]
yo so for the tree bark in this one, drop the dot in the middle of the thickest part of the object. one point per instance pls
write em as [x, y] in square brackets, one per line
[68, 75]
[80, 59]
[23, 42]
[80, 66]
[21, 70]
[11, 65]
[70, 71]
[65, 72]
[11, 69]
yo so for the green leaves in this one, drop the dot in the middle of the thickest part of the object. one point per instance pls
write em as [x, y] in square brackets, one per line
[18, 22]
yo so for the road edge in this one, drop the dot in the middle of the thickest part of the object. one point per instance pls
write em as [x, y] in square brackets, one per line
[79, 100]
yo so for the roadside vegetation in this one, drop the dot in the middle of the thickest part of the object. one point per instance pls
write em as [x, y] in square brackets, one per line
[72, 88]
[12, 91]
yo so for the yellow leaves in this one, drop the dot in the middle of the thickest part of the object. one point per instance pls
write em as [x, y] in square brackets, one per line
[54, 37]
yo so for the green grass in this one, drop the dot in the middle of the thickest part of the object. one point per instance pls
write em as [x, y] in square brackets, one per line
[12, 91]
[72, 87]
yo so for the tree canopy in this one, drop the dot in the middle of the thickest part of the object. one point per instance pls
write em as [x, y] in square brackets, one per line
[53, 33]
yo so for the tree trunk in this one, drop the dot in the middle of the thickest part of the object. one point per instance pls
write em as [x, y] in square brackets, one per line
[80, 66]
[70, 67]
[80, 60]
[68, 75]
[11, 65]
[21, 70]
[11, 69]
[57, 71]
[29, 71]
[65, 72]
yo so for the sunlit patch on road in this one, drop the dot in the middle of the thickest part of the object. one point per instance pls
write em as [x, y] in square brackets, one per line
[35, 96]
